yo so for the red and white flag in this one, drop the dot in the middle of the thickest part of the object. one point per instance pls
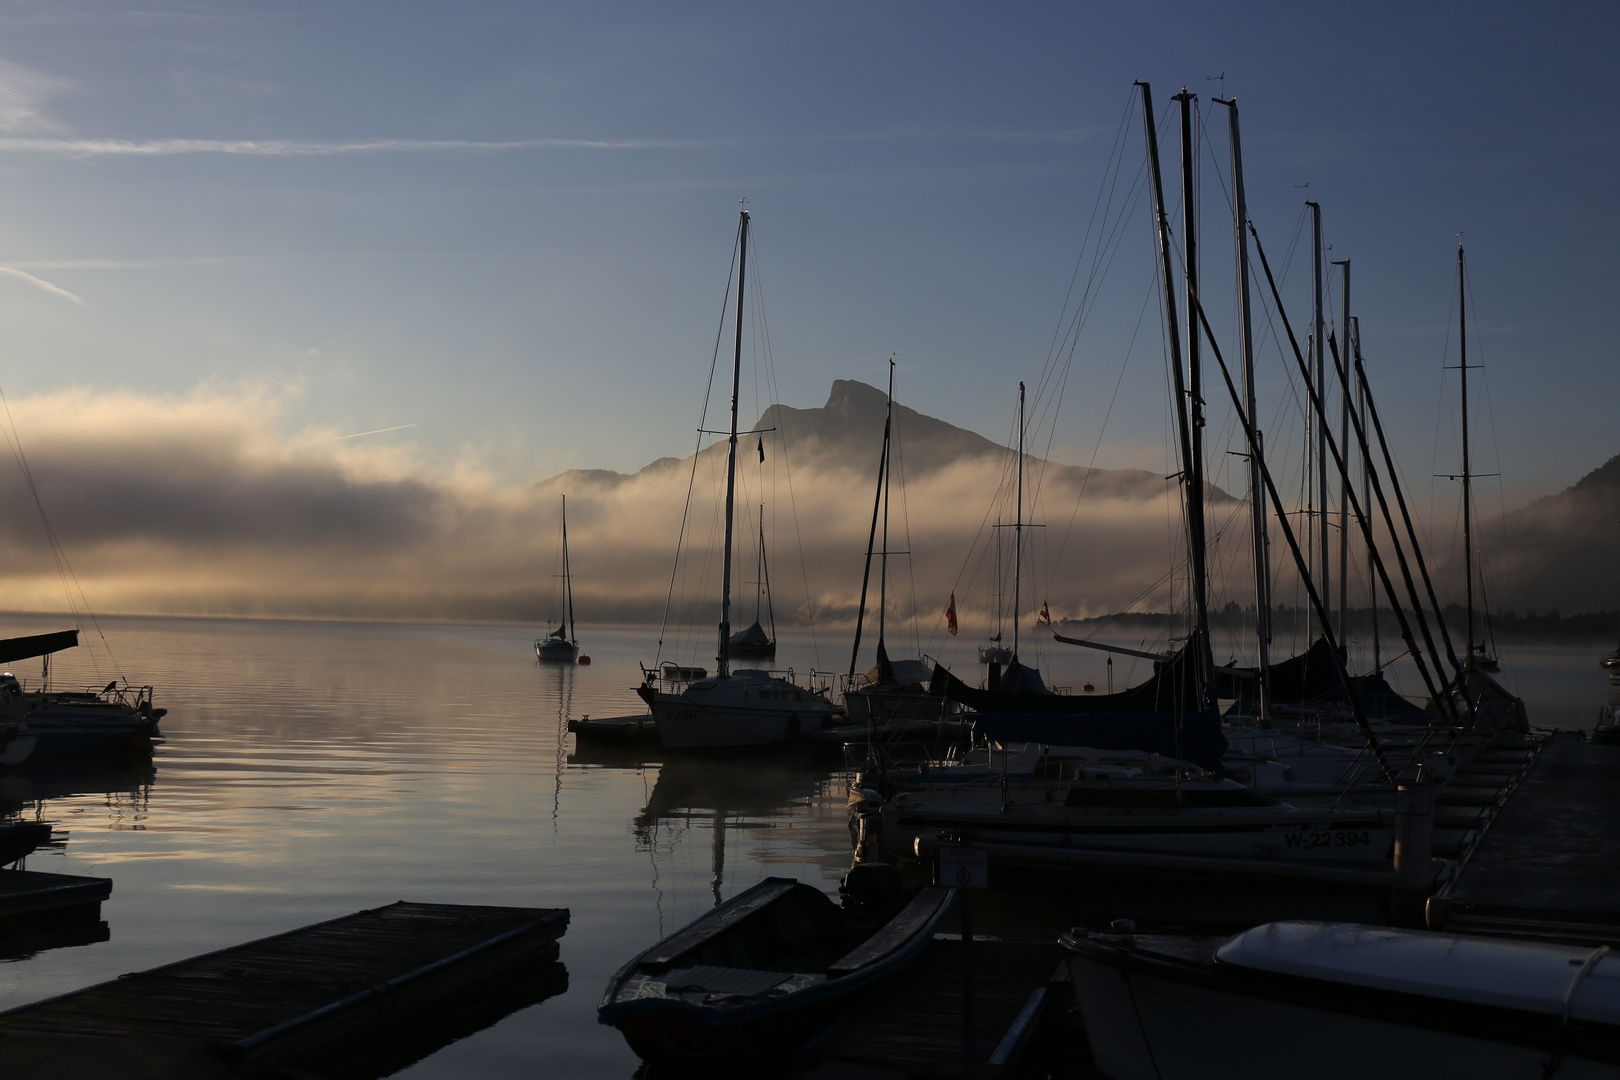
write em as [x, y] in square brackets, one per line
[950, 615]
[1046, 616]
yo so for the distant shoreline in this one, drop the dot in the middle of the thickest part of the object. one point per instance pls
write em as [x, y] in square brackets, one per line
[1507, 625]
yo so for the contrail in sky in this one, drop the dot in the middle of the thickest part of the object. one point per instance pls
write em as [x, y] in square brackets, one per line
[47, 286]
[78, 148]
[378, 431]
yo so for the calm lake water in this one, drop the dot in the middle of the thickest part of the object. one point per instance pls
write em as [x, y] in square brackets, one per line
[314, 769]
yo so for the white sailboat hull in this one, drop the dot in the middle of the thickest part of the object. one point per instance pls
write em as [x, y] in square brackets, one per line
[1152, 1015]
[556, 650]
[743, 713]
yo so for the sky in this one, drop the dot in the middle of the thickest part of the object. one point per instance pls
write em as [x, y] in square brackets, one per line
[496, 237]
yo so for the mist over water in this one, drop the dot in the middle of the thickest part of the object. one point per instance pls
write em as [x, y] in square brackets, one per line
[314, 769]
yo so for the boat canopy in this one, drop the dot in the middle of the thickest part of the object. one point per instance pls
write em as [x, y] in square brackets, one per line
[1174, 685]
[1190, 736]
[24, 648]
[1313, 678]
[754, 635]
[902, 672]
[1020, 679]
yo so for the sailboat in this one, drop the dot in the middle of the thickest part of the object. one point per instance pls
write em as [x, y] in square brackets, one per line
[561, 643]
[756, 642]
[890, 690]
[747, 707]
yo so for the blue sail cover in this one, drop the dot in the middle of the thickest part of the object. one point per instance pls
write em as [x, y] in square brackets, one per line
[1194, 737]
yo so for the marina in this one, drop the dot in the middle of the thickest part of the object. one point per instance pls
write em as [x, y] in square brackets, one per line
[445, 633]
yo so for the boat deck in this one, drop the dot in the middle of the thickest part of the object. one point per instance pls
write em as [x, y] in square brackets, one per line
[914, 1026]
[1548, 864]
[379, 984]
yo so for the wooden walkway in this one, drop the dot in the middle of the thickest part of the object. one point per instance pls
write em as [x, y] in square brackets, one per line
[1548, 864]
[343, 989]
[31, 893]
[913, 1026]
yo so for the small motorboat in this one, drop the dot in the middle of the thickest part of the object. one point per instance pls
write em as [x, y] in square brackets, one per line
[768, 968]
[1344, 1000]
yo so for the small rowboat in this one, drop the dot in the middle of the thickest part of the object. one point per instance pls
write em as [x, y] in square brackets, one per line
[762, 972]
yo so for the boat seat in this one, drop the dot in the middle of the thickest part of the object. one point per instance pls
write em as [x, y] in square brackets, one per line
[708, 979]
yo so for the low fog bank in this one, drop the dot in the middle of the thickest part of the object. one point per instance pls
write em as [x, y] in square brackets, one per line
[206, 504]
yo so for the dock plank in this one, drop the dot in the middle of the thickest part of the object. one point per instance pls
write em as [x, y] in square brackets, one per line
[1552, 854]
[280, 999]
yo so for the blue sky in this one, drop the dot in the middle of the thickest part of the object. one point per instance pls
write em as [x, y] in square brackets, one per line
[510, 224]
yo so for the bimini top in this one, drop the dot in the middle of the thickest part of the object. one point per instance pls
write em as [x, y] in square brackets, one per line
[1565, 980]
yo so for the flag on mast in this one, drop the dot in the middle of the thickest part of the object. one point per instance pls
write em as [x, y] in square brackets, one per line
[950, 615]
[1046, 616]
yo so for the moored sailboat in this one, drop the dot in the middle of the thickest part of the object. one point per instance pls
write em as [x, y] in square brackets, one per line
[749, 707]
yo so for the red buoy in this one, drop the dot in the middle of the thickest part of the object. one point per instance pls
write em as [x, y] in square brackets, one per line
[585, 660]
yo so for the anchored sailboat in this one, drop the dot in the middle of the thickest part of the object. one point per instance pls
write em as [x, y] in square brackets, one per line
[561, 644]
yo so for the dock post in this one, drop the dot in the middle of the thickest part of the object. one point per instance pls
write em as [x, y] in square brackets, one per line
[1414, 833]
[970, 1048]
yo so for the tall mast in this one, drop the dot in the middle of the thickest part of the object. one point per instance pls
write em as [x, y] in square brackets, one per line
[1321, 384]
[883, 566]
[723, 660]
[1467, 480]
[1018, 526]
[1257, 495]
[568, 572]
[1195, 379]
[1167, 279]
[1366, 493]
[871, 535]
[1344, 441]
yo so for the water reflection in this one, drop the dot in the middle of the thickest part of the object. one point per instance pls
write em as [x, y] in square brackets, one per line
[729, 795]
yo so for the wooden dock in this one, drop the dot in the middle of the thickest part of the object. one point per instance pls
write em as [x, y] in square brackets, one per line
[1547, 863]
[913, 1026]
[370, 985]
[29, 894]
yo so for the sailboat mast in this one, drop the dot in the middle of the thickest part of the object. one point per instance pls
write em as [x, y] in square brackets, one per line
[723, 660]
[883, 565]
[1467, 479]
[568, 571]
[1344, 441]
[1366, 494]
[1195, 383]
[1018, 527]
[871, 535]
[1172, 335]
[1257, 495]
[1321, 385]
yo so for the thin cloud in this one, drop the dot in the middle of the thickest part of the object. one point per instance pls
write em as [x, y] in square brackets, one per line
[47, 286]
[23, 94]
[83, 148]
[131, 264]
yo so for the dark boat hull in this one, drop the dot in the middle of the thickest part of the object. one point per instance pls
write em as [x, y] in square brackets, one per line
[740, 983]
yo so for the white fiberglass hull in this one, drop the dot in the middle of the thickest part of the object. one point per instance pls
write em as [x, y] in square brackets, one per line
[1147, 1020]
[687, 722]
[556, 650]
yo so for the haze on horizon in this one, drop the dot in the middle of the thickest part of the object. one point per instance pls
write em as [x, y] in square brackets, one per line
[301, 302]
